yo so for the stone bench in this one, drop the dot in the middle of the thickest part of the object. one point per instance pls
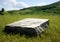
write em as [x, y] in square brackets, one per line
[28, 26]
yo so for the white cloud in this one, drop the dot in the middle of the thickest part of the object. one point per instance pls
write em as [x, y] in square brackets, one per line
[0, 7]
[12, 8]
[23, 4]
[13, 4]
[41, 4]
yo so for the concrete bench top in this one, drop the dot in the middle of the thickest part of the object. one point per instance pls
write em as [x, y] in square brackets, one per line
[28, 22]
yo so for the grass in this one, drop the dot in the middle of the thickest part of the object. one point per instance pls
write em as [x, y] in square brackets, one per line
[52, 34]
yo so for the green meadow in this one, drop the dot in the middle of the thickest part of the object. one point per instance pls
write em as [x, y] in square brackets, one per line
[52, 34]
[51, 12]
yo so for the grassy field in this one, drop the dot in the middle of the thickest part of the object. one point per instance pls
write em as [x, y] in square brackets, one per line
[52, 34]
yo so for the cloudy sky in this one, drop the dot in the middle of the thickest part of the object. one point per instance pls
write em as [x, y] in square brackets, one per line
[18, 4]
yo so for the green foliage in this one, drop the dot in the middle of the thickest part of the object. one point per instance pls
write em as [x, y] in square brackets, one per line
[5, 13]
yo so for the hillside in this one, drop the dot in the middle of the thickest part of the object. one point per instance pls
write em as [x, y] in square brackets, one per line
[52, 8]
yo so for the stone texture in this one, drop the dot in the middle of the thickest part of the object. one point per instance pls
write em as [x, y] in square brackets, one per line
[29, 26]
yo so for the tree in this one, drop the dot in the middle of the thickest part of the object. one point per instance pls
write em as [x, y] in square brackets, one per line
[2, 10]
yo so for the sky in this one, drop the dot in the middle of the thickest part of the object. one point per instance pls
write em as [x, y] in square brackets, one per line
[19, 4]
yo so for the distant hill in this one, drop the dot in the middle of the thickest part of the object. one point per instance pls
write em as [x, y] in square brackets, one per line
[52, 8]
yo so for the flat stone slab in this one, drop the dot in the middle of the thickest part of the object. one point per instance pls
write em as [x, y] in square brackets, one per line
[28, 26]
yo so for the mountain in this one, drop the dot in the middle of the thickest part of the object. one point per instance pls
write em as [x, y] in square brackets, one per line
[51, 8]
